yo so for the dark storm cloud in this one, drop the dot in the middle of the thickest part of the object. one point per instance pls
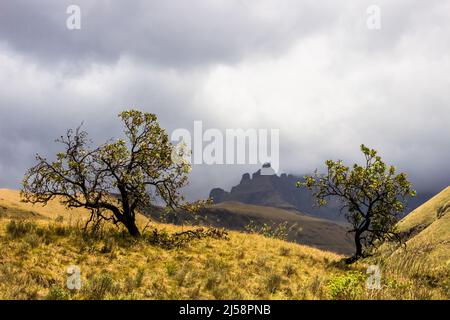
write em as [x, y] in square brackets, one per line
[309, 68]
[37, 108]
[173, 33]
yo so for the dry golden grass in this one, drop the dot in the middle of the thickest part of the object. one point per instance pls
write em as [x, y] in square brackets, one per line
[426, 213]
[35, 254]
[11, 203]
[426, 254]
[307, 230]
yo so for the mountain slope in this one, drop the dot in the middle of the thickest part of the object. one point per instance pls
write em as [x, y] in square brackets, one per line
[428, 229]
[34, 262]
[35, 254]
[275, 191]
[265, 188]
[303, 229]
[426, 254]
[11, 206]
[427, 213]
[235, 216]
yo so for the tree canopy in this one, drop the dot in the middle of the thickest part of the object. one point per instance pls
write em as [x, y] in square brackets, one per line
[115, 179]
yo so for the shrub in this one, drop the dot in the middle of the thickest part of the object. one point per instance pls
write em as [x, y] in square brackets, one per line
[19, 228]
[171, 269]
[33, 240]
[289, 270]
[285, 251]
[347, 286]
[274, 283]
[100, 286]
[177, 240]
[277, 231]
[57, 293]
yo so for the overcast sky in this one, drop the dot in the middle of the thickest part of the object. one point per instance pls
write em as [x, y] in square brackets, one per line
[312, 69]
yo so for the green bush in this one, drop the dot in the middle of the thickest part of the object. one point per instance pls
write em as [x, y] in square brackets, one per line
[347, 286]
[57, 293]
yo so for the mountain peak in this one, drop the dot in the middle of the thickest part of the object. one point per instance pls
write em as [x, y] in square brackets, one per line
[265, 188]
[245, 178]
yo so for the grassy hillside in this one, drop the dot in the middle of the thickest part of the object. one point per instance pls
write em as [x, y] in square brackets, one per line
[434, 218]
[427, 213]
[303, 229]
[36, 249]
[428, 230]
[11, 206]
[278, 192]
[426, 254]
[312, 231]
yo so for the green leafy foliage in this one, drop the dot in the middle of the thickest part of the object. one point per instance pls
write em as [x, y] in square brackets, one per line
[139, 169]
[346, 286]
[372, 196]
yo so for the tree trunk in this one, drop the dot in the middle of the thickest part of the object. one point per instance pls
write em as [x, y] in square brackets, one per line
[128, 216]
[358, 253]
[130, 223]
[358, 244]
[359, 250]
[133, 229]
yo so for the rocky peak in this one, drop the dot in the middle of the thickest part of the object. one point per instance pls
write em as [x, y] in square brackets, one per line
[265, 188]
[245, 178]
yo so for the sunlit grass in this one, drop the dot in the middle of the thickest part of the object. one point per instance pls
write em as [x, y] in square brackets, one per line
[36, 252]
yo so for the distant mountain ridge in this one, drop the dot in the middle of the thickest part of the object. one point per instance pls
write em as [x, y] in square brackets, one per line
[301, 228]
[265, 188]
[271, 190]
